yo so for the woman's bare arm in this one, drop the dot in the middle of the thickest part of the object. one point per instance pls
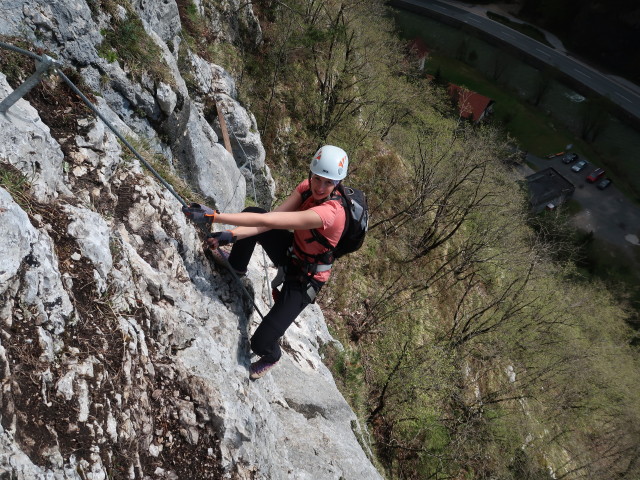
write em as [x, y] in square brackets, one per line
[260, 222]
[285, 216]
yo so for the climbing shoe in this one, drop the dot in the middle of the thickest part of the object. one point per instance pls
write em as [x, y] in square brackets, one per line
[260, 368]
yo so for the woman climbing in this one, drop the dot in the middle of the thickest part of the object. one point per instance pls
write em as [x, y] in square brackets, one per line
[315, 214]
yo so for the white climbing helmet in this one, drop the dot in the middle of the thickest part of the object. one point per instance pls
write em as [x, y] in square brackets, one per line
[330, 162]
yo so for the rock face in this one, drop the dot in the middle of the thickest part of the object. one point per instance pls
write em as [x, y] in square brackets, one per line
[123, 353]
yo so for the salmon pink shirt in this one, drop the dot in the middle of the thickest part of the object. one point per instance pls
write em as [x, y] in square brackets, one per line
[333, 219]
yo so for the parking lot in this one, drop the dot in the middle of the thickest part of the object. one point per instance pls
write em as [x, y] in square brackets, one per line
[606, 213]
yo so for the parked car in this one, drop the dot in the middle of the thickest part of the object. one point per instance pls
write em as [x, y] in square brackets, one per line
[604, 183]
[596, 175]
[580, 166]
[570, 157]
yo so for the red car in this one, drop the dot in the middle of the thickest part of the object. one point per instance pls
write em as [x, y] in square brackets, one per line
[596, 175]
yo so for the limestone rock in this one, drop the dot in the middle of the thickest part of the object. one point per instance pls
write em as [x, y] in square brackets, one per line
[162, 17]
[29, 275]
[20, 467]
[63, 24]
[92, 235]
[205, 162]
[167, 98]
[247, 148]
[26, 143]
[230, 19]
[242, 129]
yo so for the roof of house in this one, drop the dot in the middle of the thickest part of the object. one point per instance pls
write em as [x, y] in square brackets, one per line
[547, 185]
[419, 48]
[471, 104]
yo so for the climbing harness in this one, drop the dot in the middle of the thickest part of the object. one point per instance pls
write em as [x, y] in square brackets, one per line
[285, 274]
[44, 63]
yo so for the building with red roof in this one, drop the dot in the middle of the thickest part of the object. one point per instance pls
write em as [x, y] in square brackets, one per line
[419, 50]
[471, 105]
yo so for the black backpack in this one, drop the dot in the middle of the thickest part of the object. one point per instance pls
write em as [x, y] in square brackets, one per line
[354, 202]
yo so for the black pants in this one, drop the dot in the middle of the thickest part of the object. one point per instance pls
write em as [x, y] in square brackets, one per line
[293, 297]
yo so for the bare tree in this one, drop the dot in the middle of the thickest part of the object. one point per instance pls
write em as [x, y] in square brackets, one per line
[448, 185]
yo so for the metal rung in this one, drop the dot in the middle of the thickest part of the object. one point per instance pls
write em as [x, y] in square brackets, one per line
[42, 67]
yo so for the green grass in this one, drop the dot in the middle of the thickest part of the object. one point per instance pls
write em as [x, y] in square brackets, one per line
[128, 42]
[14, 182]
[535, 131]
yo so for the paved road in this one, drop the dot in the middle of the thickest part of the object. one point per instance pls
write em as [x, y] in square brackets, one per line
[622, 94]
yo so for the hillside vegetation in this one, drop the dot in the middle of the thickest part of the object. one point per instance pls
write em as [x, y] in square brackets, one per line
[472, 351]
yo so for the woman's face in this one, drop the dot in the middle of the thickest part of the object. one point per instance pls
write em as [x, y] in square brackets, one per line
[321, 187]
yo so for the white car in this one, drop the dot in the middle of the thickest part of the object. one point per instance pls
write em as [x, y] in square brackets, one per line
[579, 166]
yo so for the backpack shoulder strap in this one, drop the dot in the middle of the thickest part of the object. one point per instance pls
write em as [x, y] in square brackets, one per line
[317, 236]
[306, 194]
